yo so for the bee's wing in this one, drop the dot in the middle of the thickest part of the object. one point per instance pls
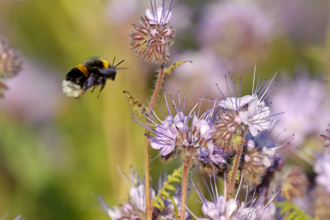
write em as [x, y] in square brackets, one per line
[94, 58]
[109, 71]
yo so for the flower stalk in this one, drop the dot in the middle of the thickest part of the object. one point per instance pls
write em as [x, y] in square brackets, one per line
[233, 176]
[184, 191]
[146, 145]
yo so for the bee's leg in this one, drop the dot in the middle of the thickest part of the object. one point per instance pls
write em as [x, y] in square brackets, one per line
[93, 89]
[102, 82]
[90, 82]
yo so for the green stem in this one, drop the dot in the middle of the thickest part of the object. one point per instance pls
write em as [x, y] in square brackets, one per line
[146, 146]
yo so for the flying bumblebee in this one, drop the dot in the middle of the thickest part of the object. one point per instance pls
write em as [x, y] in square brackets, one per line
[93, 72]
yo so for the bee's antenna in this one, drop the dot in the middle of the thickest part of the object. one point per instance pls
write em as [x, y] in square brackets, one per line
[120, 63]
[113, 61]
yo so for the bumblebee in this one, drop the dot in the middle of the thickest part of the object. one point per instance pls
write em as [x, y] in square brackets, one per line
[92, 73]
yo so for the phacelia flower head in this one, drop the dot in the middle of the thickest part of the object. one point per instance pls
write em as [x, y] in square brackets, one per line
[152, 37]
[240, 114]
[220, 209]
[10, 63]
[259, 154]
[188, 136]
[237, 31]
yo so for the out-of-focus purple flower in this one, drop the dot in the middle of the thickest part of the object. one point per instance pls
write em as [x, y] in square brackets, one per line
[135, 208]
[121, 12]
[237, 31]
[137, 195]
[182, 20]
[305, 105]
[305, 22]
[35, 95]
[322, 168]
[191, 78]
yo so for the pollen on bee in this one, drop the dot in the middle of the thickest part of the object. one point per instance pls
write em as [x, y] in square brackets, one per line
[71, 89]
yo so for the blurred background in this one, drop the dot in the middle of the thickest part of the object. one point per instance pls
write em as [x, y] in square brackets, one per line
[56, 152]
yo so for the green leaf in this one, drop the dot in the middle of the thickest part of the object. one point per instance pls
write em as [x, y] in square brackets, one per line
[169, 187]
[293, 212]
[174, 66]
[164, 193]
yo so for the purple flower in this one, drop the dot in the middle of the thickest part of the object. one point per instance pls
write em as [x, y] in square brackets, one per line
[164, 140]
[219, 209]
[159, 15]
[250, 110]
[136, 206]
[202, 155]
[187, 135]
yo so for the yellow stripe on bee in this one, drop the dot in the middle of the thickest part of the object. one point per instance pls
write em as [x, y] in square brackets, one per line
[105, 64]
[83, 69]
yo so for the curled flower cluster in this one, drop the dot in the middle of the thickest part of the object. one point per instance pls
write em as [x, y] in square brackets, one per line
[188, 136]
[259, 155]
[152, 37]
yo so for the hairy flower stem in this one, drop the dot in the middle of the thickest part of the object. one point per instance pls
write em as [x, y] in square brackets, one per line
[146, 145]
[157, 87]
[233, 176]
[184, 191]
